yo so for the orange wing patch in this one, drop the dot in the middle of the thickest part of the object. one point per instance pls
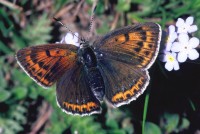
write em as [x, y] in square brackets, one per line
[89, 107]
[46, 63]
[126, 96]
[137, 45]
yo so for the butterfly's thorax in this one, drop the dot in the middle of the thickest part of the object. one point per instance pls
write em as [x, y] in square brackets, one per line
[94, 76]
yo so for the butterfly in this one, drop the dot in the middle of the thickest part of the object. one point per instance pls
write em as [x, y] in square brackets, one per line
[112, 68]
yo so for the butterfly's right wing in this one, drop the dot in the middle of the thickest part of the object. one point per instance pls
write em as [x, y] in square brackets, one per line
[124, 55]
[137, 45]
[123, 82]
[74, 95]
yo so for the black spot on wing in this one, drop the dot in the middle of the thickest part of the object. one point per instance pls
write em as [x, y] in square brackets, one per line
[48, 53]
[126, 37]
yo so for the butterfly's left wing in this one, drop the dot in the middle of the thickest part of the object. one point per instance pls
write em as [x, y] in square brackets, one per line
[74, 95]
[124, 55]
[46, 63]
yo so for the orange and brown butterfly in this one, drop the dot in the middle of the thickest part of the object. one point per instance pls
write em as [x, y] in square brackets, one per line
[112, 68]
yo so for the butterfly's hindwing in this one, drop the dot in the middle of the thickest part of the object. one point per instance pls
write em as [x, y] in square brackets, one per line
[123, 82]
[74, 95]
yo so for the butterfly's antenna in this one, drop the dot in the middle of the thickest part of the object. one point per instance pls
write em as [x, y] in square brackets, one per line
[66, 27]
[92, 15]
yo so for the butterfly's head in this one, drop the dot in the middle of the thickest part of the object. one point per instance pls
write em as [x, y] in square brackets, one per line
[84, 43]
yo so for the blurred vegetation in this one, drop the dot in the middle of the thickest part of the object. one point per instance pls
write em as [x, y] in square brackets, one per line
[173, 102]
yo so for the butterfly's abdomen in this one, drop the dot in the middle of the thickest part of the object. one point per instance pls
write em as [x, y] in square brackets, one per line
[94, 76]
[96, 83]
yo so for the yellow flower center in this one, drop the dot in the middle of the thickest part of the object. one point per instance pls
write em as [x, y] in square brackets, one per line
[170, 58]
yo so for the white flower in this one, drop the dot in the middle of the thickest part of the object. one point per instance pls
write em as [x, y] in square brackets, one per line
[70, 39]
[186, 26]
[170, 59]
[185, 48]
[171, 38]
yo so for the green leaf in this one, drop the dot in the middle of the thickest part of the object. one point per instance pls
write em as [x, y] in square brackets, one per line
[33, 92]
[21, 77]
[4, 95]
[4, 48]
[19, 92]
[19, 117]
[18, 41]
[128, 126]
[13, 125]
[103, 29]
[3, 82]
[112, 123]
[100, 8]
[170, 122]
[145, 110]
[38, 32]
[136, 17]
[184, 125]
[192, 105]
[113, 117]
[123, 5]
[58, 4]
[151, 128]
[4, 16]
[117, 131]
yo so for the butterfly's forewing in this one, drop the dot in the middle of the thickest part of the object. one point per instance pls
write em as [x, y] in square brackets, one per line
[74, 95]
[124, 56]
[46, 63]
[137, 45]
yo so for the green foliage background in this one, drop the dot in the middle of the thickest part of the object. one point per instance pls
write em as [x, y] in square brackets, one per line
[21, 99]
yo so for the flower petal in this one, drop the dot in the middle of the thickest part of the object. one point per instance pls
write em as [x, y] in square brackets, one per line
[163, 58]
[174, 55]
[173, 37]
[63, 40]
[75, 37]
[68, 38]
[57, 42]
[171, 29]
[183, 38]
[193, 42]
[176, 65]
[76, 44]
[182, 30]
[189, 20]
[192, 28]
[182, 57]
[169, 66]
[168, 46]
[176, 47]
[180, 22]
[193, 54]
